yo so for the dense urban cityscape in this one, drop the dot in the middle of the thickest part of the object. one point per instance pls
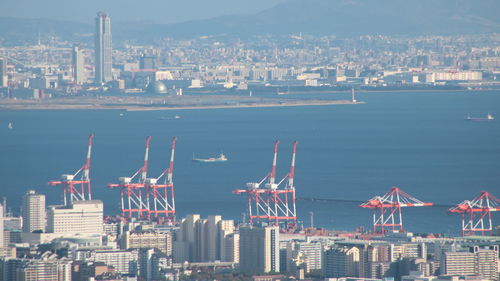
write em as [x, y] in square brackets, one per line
[148, 241]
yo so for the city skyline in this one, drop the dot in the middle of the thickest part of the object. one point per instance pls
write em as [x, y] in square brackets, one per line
[139, 148]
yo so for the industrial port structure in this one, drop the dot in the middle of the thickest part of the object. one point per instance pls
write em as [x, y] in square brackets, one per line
[77, 189]
[274, 204]
[476, 213]
[137, 191]
[387, 213]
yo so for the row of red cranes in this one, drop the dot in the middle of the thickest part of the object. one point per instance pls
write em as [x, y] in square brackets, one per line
[143, 197]
[273, 204]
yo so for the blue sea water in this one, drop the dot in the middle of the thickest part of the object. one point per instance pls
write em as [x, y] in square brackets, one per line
[417, 141]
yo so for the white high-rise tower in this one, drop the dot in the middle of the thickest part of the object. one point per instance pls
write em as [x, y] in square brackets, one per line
[103, 49]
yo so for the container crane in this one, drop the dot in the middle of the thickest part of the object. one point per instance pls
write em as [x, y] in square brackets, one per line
[134, 196]
[163, 193]
[77, 189]
[476, 213]
[387, 209]
[258, 203]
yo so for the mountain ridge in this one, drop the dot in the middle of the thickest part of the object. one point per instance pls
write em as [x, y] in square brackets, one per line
[317, 17]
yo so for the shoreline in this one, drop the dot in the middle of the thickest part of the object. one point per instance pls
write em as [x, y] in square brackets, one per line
[131, 108]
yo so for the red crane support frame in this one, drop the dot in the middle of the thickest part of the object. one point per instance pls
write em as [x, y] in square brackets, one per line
[163, 194]
[387, 209]
[474, 213]
[271, 204]
[75, 190]
[134, 196]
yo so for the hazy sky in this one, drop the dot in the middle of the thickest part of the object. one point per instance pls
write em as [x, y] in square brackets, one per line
[162, 11]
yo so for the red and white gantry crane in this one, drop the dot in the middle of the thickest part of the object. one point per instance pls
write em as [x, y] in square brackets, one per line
[134, 197]
[77, 189]
[258, 203]
[163, 193]
[273, 205]
[283, 199]
[387, 209]
[476, 213]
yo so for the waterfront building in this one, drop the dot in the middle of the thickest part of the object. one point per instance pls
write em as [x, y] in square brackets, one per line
[78, 65]
[33, 212]
[103, 49]
[259, 249]
[3, 72]
[81, 217]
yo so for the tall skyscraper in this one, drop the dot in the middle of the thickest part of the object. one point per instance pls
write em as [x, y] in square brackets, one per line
[259, 249]
[33, 211]
[103, 49]
[3, 73]
[78, 65]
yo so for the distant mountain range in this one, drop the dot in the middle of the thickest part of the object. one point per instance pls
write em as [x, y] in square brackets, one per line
[318, 17]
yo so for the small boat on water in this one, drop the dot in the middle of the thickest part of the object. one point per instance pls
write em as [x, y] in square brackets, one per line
[488, 117]
[9, 126]
[170, 118]
[221, 158]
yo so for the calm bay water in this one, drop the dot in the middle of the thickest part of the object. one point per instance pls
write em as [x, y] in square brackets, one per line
[416, 141]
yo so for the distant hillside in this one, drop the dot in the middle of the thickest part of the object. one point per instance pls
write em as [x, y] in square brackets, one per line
[319, 17]
[353, 17]
[17, 31]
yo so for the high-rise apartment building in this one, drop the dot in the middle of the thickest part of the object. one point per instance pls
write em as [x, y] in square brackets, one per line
[205, 240]
[458, 263]
[3, 72]
[311, 251]
[78, 68]
[103, 49]
[487, 264]
[259, 249]
[152, 263]
[342, 262]
[84, 217]
[33, 212]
